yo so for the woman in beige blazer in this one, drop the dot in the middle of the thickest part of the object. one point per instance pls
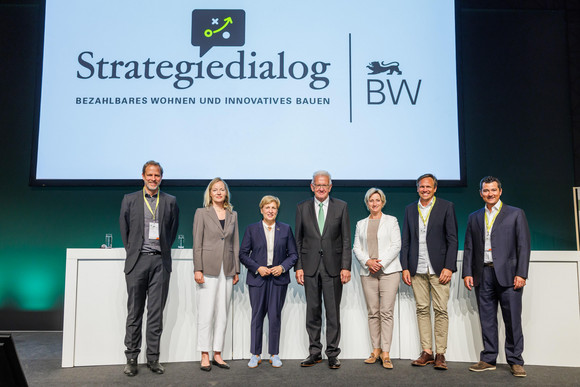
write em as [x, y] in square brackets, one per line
[377, 243]
[216, 265]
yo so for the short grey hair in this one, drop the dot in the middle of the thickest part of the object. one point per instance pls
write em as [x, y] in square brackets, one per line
[321, 173]
[373, 191]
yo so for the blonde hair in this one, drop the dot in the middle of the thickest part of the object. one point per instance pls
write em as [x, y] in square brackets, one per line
[207, 202]
[373, 191]
[269, 199]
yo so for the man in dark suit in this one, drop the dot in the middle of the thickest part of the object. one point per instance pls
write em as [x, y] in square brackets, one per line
[323, 266]
[269, 252]
[428, 258]
[149, 220]
[495, 261]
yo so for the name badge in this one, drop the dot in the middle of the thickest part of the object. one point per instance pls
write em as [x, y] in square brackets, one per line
[153, 230]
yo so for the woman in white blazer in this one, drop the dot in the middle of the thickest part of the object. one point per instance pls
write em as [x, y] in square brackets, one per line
[216, 246]
[377, 244]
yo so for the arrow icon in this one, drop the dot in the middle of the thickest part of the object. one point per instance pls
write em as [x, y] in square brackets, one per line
[208, 33]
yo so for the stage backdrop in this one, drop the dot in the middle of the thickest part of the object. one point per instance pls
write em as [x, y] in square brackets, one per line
[171, 80]
[517, 126]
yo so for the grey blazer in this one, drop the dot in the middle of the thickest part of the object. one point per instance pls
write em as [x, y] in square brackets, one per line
[214, 245]
[132, 221]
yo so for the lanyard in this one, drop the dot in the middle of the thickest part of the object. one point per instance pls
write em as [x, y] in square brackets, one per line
[429, 213]
[148, 206]
[487, 223]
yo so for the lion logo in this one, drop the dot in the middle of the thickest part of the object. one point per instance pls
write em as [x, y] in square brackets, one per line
[377, 68]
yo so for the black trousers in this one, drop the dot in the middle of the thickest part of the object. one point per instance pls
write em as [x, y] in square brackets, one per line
[318, 287]
[148, 281]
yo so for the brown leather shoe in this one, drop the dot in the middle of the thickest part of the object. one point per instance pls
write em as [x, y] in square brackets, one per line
[518, 370]
[387, 362]
[424, 359]
[482, 366]
[372, 358]
[440, 363]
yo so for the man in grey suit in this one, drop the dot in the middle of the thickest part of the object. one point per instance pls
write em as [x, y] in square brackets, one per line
[323, 266]
[149, 220]
[428, 258]
[496, 258]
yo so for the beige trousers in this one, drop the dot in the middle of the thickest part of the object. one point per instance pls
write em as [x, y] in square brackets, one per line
[380, 291]
[426, 287]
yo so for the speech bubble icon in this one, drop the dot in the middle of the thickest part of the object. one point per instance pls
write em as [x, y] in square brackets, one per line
[217, 27]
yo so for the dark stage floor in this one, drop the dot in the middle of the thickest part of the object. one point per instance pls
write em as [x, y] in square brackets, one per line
[40, 356]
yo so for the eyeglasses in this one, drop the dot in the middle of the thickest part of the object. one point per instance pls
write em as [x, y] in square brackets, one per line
[323, 186]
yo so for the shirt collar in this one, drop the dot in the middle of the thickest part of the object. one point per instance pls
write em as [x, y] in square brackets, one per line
[494, 208]
[428, 204]
[266, 226]
[325, 202]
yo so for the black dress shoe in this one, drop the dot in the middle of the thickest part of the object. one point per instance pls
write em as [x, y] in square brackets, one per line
[131, 367]
[223, 365]
[206, 368]
[333, 363]
[155, 366]
[311, 360]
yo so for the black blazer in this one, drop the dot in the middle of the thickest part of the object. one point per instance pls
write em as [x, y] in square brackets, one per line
[333, 246]
[510, 245]
[254, 252]
[132, 220]
[441, 237]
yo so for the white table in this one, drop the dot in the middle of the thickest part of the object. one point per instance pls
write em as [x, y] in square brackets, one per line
[96, 296]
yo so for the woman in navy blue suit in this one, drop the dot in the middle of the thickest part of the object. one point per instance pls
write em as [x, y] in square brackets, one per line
[269, 252]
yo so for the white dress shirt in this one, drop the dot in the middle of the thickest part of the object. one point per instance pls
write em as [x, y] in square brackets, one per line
[490, 215]
[424, 264]
[269, 231]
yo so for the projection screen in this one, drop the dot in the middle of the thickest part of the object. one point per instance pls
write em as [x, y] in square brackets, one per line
[260, 92]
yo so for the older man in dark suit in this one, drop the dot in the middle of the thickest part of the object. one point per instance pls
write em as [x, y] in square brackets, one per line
[496, 258]
[149, 220]
[428, 258]
[323, 266]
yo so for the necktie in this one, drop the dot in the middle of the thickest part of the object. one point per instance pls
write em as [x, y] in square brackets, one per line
[321, 217]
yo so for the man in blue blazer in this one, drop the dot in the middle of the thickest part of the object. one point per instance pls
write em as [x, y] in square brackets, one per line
[428, 258]
[323, 266]
[269, 252]
[149, 220]
[495, 261]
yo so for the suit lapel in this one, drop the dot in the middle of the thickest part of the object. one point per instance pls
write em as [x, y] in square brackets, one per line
[382, 222]
[498, 219]
[261, 234]
[414, 220]
[433, 215]
[276, 239]
[229, 217]
[141, 212]
[329, 215]
[161, 209]
[213, 215]
[480, 221]
[313, 215]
